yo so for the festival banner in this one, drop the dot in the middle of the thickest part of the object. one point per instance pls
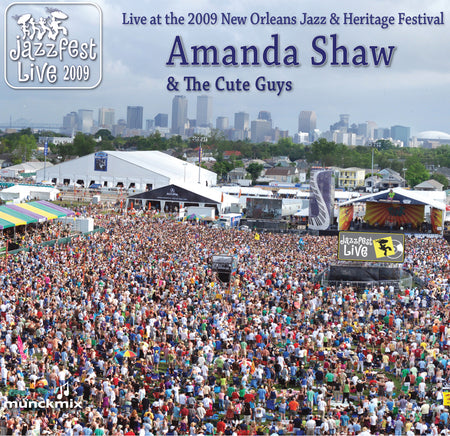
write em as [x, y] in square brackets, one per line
[387, 214]
[437, 220]
[345, 217]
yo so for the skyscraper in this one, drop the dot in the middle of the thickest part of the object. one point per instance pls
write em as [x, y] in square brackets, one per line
[179, 114]
[85, 120]
[307, 122]
[135, 117]
[241, 121]
[70, 123]
[371, 126]
[204, 111]
[261, 130]
[344, 119]
[342, 124]
[401, 133]
[222, 123]
[162, 120]
[106, 118]
[265, 115]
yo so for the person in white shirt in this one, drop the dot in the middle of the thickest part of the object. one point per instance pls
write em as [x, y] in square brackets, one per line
[389, 386]
[310, 426]
[21, 384]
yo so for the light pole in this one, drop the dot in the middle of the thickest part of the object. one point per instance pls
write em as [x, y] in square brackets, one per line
[371, 174]
[185, 165]
[199, 140]
[45, 159]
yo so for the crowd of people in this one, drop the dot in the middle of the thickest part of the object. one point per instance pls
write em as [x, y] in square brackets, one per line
[130, 332]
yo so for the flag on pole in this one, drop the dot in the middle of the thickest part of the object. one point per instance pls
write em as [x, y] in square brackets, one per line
[20, 346]
[221, 198]
[240, 192]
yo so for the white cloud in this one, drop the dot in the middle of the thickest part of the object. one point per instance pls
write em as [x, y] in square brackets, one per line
[135, 70]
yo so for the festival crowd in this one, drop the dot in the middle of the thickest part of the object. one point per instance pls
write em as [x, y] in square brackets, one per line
[130, 332]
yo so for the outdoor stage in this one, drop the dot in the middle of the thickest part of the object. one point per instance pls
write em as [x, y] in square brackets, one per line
[395, 209]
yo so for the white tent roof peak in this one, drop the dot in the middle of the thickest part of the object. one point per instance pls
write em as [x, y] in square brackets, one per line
[416, 196]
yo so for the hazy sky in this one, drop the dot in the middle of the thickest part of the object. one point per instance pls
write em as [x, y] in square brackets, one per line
[412, 91]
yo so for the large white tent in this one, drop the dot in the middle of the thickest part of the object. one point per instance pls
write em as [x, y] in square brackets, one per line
[20, 193]
[142, 170]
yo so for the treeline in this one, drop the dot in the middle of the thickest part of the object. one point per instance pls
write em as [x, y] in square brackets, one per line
[414, 163]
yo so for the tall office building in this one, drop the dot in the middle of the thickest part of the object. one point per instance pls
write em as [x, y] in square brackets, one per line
[119, 128]
[70, 123]
[222, 123]
[362, 129]
[85, 120]
[179, 114]
[261, 130]
[401, 133]
[162, 120]
[307, 122]
[204, 111]
[241, 121]
[135, 117]
[371, 126]
[106, 118]
[342, 124]
[265, 115]
[382, 133]
[344, 119]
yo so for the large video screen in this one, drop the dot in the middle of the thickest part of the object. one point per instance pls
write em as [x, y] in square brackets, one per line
[264, 208]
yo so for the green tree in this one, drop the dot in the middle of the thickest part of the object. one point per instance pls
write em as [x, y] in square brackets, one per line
[105, 134]
[83, 144]
[441, 179]
[324, 152]
[62, 150]
[23, 148]
[254, 169]
[106, 140]
[416, 172]
[384, 144]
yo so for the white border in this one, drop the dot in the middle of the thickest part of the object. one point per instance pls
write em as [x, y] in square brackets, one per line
[56, 87]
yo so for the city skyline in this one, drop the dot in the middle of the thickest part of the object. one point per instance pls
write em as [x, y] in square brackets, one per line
[191, 114]
[259, 126]
[232, 122]
[407, 93]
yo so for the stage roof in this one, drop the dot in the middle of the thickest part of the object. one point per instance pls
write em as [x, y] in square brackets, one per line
[191, 194]
[398, 196]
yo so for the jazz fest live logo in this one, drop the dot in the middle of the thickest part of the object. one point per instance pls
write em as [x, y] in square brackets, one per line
[383, 247]
[53, 45]
[371, 247]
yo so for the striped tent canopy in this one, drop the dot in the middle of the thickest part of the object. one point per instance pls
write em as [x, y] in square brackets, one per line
[12, 215]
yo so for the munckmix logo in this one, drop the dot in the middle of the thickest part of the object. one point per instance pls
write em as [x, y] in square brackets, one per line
[57, 403]
[53, 45]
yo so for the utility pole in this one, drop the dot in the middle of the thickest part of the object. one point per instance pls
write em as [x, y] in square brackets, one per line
[45, 159]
